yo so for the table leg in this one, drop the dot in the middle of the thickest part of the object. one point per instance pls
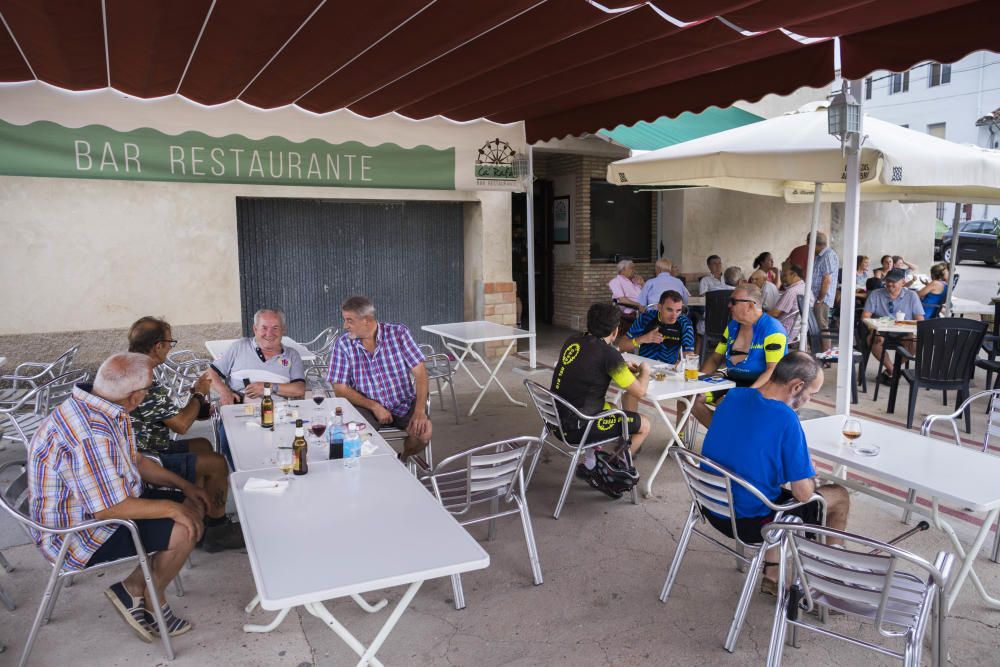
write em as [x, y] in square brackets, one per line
[967, 558]
[370, 608]
[460, 354]
[318, 610]
[674, 437]
[493, 379]
[253, 604]
[270, 626]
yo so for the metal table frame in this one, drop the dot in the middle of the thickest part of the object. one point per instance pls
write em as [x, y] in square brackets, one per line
[468, 334]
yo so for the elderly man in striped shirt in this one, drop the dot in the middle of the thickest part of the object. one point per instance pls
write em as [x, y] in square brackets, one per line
[371, 368]
[83, 465]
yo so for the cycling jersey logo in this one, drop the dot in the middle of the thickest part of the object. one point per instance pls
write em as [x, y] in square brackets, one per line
[607, 423]
[570, 354]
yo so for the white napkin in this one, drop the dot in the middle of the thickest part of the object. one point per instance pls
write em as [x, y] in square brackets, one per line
[252, 424]
[272, 486]
[367, 449]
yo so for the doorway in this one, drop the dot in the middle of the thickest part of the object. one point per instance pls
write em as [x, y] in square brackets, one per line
[544, 264]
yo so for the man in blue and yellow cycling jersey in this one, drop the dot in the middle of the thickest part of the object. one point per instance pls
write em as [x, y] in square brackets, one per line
[588, 362]
[662, 334]
[754, 343]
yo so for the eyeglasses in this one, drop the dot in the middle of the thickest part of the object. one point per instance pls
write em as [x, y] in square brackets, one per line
[733, 302]
[172, 341]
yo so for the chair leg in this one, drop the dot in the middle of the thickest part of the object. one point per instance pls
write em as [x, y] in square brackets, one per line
[178, 586]
[569, 478]
[437, 381]
[5, 564]
[454, 401]
[7, 600]
[52, 600]
[494, 509]
[963, 394]
[40, 615]
[529, 540]
[675, 564]
[878, 372]
[944, 397]
[753, 576]
[457, 592]
[534, 460]
[778, 629]
[911, 406]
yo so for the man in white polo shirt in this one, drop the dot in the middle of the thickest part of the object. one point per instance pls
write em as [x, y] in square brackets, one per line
[264, 353]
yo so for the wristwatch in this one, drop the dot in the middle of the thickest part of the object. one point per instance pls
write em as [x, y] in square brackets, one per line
[201, 399]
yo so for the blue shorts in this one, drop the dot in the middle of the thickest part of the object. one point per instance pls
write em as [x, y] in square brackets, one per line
[179, 461]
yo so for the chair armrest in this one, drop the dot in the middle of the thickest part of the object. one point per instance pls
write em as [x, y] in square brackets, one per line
[902, 352]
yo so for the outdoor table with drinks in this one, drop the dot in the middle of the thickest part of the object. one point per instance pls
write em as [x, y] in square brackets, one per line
[254, 447]
[682, 385]
[939, 470]
[340, 531]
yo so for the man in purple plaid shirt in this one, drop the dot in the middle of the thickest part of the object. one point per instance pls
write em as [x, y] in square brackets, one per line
[371, 368]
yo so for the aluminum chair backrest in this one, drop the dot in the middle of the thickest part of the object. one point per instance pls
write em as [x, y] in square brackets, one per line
[323, 340]
[866, 582]
[992, 418]
[27, 411]
[58, 389]
[494, 470]
[711, 487]
[437, 364]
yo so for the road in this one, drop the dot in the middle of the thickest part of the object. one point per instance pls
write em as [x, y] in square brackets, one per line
[977, 281]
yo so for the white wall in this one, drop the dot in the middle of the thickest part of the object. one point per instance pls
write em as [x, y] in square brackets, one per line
[88, 254]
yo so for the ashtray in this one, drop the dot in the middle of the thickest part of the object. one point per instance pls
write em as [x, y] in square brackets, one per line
[866, 450]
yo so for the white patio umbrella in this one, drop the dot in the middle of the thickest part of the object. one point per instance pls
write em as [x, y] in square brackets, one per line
[794, 157]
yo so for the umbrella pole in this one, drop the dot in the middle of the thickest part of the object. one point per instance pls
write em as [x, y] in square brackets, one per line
[804, 323]
[529, 198]
[852, 204]
[954, 256]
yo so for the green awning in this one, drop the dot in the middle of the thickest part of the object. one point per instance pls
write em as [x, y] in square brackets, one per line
[665, 131]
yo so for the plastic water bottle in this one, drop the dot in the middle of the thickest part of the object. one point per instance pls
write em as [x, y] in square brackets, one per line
[352, 446]
[336, 435]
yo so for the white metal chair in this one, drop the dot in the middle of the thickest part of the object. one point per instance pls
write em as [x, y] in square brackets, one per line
[14, 500]
[179, 372]
[865, 583]
[992, 430]
[322, 340]
[711, 489]
[439, 369]
[492, 473]
[549, 406]
[27, 412]
[392, 434]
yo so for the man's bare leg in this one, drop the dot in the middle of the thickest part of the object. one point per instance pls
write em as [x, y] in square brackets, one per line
[165, 566]
[631, 404]
[701, 412]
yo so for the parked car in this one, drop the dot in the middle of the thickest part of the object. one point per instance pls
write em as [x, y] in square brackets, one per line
[977, 239]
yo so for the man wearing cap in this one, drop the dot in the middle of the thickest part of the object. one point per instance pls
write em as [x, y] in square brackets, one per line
[889, 301]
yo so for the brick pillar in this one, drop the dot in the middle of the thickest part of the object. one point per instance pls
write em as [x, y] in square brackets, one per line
[500, 306]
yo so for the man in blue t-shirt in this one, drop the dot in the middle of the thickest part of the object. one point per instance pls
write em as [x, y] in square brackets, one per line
[661, 333]
[757, 435]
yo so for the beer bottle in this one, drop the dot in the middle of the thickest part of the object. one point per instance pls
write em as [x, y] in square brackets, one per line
[300, 450]
[267, 408]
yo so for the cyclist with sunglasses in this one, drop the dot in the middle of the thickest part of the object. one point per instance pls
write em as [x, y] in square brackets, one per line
[753, 345]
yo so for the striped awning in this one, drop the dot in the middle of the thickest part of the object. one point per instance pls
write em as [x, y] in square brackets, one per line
[561, 66]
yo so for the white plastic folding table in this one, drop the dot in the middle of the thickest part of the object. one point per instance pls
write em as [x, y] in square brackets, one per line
[960, 306]
[945, 473]
[340, 532]
[253, 447]
[217, 348]
[460, 337]
[673, 387]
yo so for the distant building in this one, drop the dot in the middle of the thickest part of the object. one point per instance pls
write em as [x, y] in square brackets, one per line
[959, 102]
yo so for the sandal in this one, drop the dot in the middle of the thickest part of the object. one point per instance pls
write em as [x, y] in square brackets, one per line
[769, 586]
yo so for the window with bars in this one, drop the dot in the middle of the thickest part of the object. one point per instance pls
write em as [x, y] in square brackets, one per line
[939, 75]
[900, 83]
[868, 88]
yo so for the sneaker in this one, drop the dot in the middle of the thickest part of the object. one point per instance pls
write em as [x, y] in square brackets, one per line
[132, 610]
[583, 472]
[175, 624]
[224, 536]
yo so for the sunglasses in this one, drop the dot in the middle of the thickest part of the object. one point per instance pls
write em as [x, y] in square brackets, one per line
[733, 302]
